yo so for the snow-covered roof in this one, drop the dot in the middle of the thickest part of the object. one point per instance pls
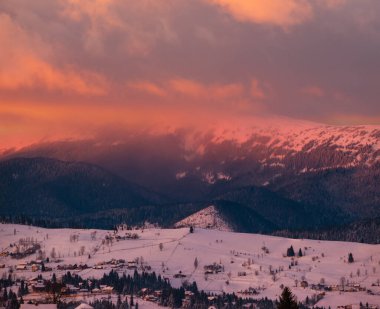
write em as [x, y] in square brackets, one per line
[84, 306]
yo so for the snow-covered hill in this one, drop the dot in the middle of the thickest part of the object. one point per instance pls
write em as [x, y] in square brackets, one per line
[207, 218]
[247, 262]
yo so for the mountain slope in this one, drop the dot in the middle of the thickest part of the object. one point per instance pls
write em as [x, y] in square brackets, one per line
[282, 212]
[52, 188]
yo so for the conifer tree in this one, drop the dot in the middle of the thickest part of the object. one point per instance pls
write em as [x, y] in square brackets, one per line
[131, 300]
[290, 251]
[287, 300]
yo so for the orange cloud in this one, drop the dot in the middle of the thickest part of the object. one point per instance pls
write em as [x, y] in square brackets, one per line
[313, 91]
[35, 73]
[24, 62]
[147, 87]
[282, 13]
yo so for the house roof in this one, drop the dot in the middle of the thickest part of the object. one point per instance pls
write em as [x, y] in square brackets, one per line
[84, 306]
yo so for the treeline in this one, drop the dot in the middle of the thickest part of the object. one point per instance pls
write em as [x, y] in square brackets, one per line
[164, 216]
[366, 231]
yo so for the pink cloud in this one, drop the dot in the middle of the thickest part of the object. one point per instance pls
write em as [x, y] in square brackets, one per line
[313, 91]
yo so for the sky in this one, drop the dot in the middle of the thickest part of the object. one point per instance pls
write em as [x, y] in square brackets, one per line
[73, 68]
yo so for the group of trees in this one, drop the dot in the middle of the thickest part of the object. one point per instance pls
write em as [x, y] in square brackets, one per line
[8, 299]
[290, 252]
[131, 285]
[170, 297]
[365, 231]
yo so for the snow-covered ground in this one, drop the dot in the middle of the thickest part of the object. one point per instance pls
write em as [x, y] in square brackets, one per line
[254, 255]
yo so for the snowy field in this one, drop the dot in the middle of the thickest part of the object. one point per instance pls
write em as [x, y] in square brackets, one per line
[246, 260]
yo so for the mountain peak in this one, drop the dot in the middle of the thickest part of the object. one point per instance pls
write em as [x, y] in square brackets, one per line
[207, 218]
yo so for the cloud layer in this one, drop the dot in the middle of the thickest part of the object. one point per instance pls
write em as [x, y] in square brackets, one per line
[160, 60]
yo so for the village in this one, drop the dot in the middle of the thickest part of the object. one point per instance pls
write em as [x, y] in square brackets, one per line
[251, 266]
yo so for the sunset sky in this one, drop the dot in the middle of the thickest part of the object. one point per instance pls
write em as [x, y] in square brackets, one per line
[71, 68]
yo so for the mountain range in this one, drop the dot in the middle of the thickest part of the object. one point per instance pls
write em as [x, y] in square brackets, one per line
[263, 176]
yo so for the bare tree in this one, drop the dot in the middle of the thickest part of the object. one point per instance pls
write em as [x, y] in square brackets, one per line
[196, 263]
[81, 250]
[229, 275]
[343, 282]
[53, 253]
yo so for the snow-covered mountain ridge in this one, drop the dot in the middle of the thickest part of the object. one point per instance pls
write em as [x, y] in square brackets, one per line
[277, 142]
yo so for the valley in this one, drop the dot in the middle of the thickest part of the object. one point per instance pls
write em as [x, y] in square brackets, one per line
[249, 265]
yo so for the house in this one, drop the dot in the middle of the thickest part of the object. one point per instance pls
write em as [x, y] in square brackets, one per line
[144, 292]
[132, 265]
[72, 289]
[150, 298]
[157, 293]
[84, 306]
[188, 294]
[186, 303]
[304, 284]
[106, 288]
[40, 306]
[39, 286]
[21, 266]
[33, 280]
[249, 291]
[35, 267]
[213, 268]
